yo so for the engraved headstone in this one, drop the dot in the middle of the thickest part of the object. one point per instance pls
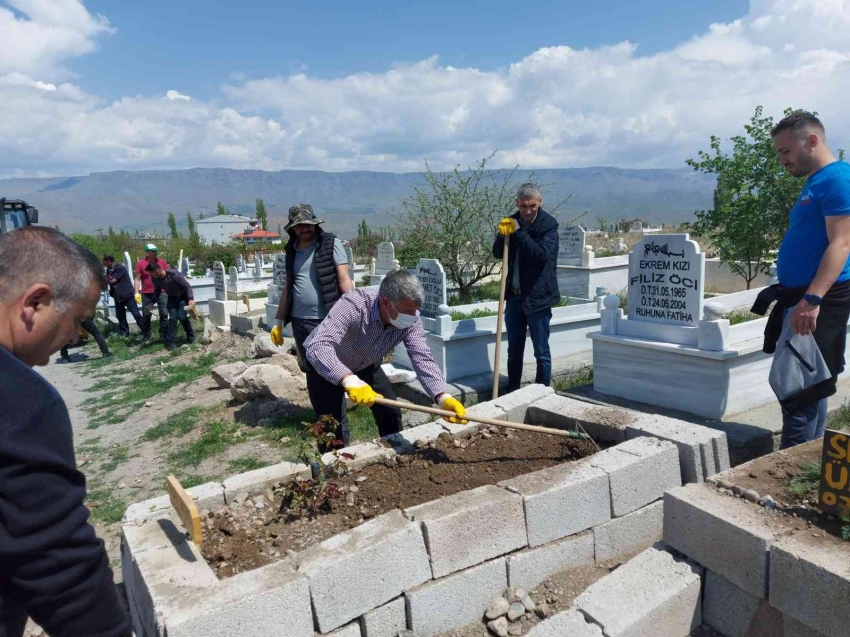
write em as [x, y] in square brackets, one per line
[386, 257]
[240, 263]
[637, 226]
[433, 278]
[666, 280]
[234, 277]
[570, 244]
[258, 267]
[184, 267]
[218, 277]
[279, 270]
[128, 263]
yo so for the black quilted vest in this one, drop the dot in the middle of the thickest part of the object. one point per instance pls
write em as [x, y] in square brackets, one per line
[323, 262]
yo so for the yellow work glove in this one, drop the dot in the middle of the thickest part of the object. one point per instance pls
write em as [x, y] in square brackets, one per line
[277, 334]
[451, 404]
[138, 298]
[359, 392]
[508, 226]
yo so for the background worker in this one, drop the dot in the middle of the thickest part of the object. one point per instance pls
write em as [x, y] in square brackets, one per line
[145, 292]
[122, 290]
[346, 351]
[532, 286]
[179, 294]
[53, 567]
[89, 326]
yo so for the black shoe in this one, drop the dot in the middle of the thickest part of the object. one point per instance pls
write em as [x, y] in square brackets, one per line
[146, 338]
[170, 347]
[107, 354]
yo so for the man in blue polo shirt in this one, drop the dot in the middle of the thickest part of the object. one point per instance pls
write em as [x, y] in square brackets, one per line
[813, 266]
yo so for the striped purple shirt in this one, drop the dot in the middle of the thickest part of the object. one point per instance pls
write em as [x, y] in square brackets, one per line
[352, 338]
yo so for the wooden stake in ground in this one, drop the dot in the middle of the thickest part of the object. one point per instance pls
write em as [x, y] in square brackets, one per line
[486, 421]
[184, 504]
[500, 316]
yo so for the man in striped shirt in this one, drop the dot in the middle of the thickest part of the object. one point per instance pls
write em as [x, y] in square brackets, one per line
[346, 351]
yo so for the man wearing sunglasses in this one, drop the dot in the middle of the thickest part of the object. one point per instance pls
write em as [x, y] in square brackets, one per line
[346, 351]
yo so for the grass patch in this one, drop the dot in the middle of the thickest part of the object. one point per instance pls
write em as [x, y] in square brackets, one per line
[483, 292]
[248, 463]
[178, 424]
[576, 377]
[124, 348]
[194, 480]
[736, 317]
[109, 510]
[117, 457]
[259, 294]
[474, 314]
[840, 418]
[361, 425]
[218, 435]
[808, 480]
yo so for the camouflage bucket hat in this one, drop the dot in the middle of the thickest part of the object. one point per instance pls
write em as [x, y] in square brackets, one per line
[301, 213]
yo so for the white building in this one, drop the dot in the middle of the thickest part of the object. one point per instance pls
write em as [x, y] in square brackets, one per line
[221, 228]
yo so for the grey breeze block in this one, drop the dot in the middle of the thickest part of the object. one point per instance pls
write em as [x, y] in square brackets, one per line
[515, 404]
[651, 595]
[602, 423]
[470, 527]
[569, 623]
[629, 534]
[736, 613]
[530, 567]
[562, 500]
[361, 569]
[385, 621]
[207, 496]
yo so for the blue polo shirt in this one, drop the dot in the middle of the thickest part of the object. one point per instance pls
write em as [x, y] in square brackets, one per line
[825, 194]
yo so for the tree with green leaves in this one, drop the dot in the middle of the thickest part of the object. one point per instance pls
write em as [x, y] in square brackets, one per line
[262, 214]
[220, 209]
[172, 225]
[192, 228]
[363, 229]
[201, 216]
[752, 199]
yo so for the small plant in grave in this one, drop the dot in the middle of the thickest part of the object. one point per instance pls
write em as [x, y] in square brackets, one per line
[310, 497]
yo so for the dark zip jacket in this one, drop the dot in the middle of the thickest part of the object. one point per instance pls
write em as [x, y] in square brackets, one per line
[537, 245]
[174, 285]
[122, 290]
[323, 262]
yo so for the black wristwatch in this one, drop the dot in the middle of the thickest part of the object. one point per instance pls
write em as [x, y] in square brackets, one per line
[813, 299]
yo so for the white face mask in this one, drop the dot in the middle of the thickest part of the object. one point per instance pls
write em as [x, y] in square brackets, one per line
[403, 321]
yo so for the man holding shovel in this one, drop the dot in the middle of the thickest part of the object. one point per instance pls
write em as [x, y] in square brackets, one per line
[347, 349]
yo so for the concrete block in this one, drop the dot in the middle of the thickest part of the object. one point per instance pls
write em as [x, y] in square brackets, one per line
[385, 621]
[562, 500]
[530, 567]
[365, 453]
[484, 410]
[629, 534]
[603, 424]
[639, 472]
[349, 630]
[470, 527]
[793, 628]
[695, 443]
[736, 613]
[569, 623]
[207, 496]
[810, 582]
[721, 451]
[455, 601]
[361, 569]
[515, 405]
[273, 601]
[651, 595]
[404, 441]
[254, 482]
[723, 534]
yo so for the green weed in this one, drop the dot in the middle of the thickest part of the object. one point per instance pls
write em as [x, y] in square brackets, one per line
[109, 510]
[576, 377]
[178, 424]
[218, 435]
[247, 463]
[808, 479]
[117, 456]
[840, 418]
[194, 480]
[736, 317]
[474, 314]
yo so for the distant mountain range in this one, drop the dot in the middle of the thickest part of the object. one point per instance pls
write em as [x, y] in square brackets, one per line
[140, 200]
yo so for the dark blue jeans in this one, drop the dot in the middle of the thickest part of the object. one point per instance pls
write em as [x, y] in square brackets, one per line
[518, 323]
[121, 309]
[176, 306]
[804, 424]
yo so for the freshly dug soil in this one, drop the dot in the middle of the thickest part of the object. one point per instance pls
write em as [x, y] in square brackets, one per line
[257, 532]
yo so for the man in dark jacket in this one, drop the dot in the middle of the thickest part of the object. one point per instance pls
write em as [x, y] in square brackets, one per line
[121, 289]
[532, 287]
[53, 567]
[180, 294]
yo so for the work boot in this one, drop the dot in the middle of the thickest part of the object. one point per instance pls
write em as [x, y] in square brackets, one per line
[107, 354]
[146, 339]
[170, 347]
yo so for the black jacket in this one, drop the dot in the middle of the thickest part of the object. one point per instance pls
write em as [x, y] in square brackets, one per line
[122, 290]
[323, 263]
[538, 254]
[52, 566]
[174, 285]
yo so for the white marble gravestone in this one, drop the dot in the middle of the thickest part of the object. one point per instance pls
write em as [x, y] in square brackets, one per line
[234, 277]
[218, 277]
[666, 280]
[128, 263]
[184, 266]
[240, 263]
[433, 278]
[258, 267]
[571, 240]
[279, 271]
[637, 226]
[386, 258]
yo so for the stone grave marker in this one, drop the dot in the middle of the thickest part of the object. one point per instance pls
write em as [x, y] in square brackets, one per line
[386, 257]
[240, 263]
[637, 226]
[834, 491]
[258, 268]
[666, 280]
[433, 278]
[234, 277]
[184, 267]
[571, 240]
[218, 277]
[279, 271]
[128, 263]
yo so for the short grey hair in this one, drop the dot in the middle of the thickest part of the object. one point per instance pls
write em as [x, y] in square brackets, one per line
[527, 191]
[401, 284]
[42, 255]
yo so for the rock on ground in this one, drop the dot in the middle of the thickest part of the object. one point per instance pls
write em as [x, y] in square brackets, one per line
[263, 380]
[210, 334]
[225, 375]
[264, 348]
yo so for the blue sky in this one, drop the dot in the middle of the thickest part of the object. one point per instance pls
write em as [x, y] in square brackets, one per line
[100, 85]
[197, 45]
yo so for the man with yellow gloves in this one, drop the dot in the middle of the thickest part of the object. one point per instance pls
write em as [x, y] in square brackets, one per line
[532, 287]
[346, 351]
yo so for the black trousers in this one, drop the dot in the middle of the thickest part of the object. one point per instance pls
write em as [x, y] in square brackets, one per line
[148, 301]
[90, 327]
[328, 399]
[176, 306]
[121, 308]
[13, 620]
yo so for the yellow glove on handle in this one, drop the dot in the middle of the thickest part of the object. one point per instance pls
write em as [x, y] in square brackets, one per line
[450, 404]
[359, 392]
[138, 298]
[508, 226]
[277, 334]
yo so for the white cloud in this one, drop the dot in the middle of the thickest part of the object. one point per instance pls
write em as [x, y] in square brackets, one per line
[556, 107]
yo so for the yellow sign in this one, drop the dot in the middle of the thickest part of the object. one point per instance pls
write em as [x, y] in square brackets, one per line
[186, 509]
[834, 494]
